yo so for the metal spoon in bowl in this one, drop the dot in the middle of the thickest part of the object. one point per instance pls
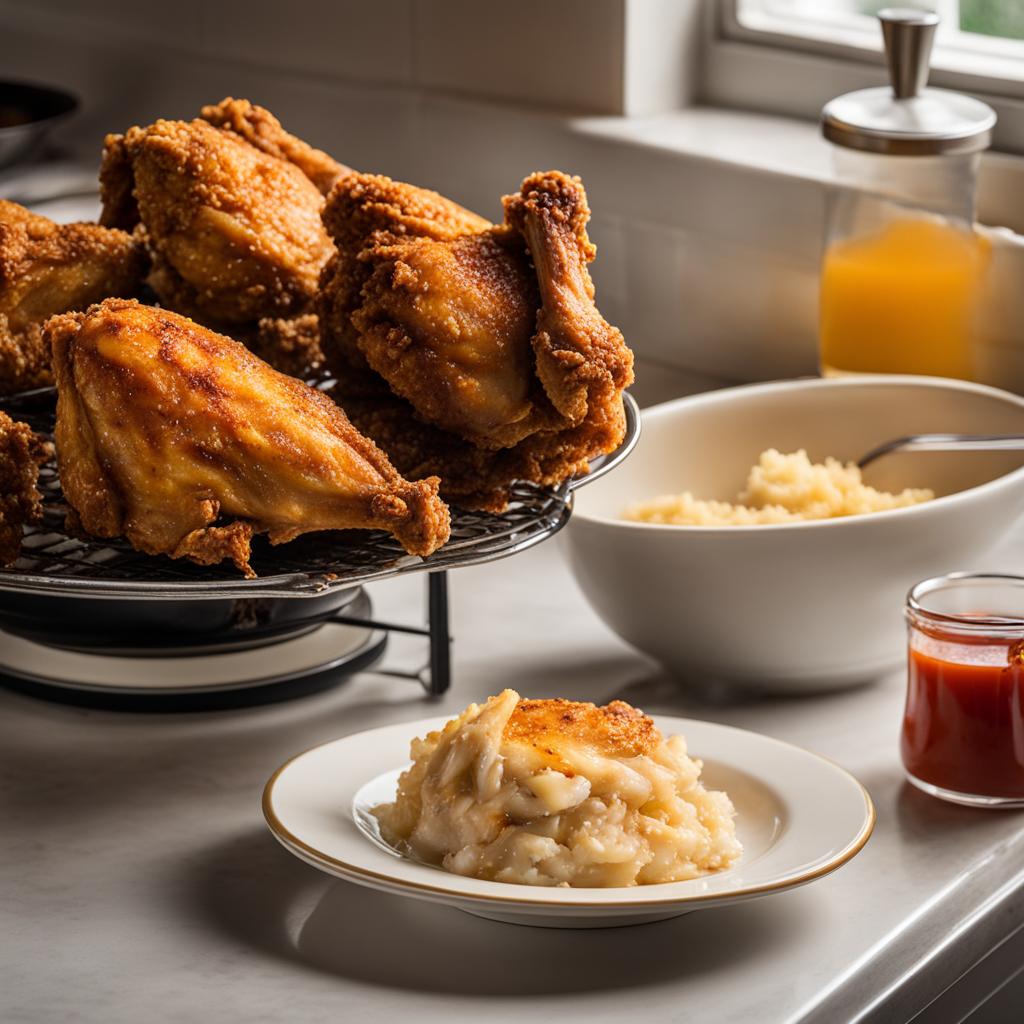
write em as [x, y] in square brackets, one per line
[946, 443]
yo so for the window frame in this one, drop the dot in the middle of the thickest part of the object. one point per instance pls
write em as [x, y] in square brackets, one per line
[768, 69]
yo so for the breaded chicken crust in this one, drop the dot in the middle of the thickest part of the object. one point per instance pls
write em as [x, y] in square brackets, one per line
[22, 452]
[48, 268]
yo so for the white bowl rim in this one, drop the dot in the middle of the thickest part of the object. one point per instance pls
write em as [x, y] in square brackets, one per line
[807, 383]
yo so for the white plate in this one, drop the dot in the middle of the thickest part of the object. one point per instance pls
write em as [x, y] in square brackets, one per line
[798, 816]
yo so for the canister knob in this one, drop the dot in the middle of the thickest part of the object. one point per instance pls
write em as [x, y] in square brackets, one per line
[908, 119]
[908, 35]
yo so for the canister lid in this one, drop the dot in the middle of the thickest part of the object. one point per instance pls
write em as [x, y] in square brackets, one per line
[907, 119]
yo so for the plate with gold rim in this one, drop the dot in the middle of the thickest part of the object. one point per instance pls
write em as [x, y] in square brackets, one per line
[799, 817]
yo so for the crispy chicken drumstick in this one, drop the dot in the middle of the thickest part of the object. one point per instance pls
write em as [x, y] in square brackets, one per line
[581, 360]
[187, 444]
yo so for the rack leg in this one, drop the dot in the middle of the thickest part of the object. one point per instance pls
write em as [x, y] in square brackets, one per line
[440, 669]
[436, 675]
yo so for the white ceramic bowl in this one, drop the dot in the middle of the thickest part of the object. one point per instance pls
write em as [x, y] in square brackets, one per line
[804, 606]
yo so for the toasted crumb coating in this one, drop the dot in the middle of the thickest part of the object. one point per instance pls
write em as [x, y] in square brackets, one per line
[22, 452]
[48, 268]
[291, 345]
[261, 129]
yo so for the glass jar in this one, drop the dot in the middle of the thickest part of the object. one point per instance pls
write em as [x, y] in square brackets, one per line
[903, 269]
[963, 724]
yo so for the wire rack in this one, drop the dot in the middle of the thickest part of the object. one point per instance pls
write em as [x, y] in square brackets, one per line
[57, 563]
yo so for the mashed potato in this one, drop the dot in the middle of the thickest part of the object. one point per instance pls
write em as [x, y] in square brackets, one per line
[780, 489]
[555, 792]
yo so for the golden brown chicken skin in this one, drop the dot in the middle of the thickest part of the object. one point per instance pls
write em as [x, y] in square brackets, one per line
[363, 209]
[48, 268]
[261, 129]
[499, 370]
[582, 361]
[187, 444]
[448, 325]
[234, 232]
[22, 453]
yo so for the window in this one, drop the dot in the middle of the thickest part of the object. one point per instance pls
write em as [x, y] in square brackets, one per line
[1002, 19]
[791, 56]
[982, 37]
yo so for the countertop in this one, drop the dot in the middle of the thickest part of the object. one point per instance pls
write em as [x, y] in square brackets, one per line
[138, 882]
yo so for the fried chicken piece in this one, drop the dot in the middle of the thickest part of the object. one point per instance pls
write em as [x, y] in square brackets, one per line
[582, 361]
[360, 209]
[493, 353]
[261, 129]
[361, 204]
[472, 477]
[234, 232]
[22, 452]
[48, 268]
[187, 444]
[448, 325]
[289, 345]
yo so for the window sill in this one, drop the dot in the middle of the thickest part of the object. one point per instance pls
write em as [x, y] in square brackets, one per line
[785, 147]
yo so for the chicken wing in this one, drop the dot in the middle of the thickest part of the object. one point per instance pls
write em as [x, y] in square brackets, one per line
[22, 452]
[187, 444]
[369, 207]
[48, 268]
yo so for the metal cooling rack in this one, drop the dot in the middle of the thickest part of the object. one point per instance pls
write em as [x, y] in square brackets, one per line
[57, 563]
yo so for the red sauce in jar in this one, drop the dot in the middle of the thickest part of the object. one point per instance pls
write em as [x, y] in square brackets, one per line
[963, 728]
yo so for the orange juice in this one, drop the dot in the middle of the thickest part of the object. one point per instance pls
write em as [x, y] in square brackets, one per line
[902, 300]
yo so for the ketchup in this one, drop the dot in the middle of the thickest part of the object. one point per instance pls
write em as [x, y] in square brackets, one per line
[963, 727]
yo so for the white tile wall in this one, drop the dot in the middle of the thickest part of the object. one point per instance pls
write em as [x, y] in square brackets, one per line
[717, 307]
[176, 23]
[565, 55]
[368, 41]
